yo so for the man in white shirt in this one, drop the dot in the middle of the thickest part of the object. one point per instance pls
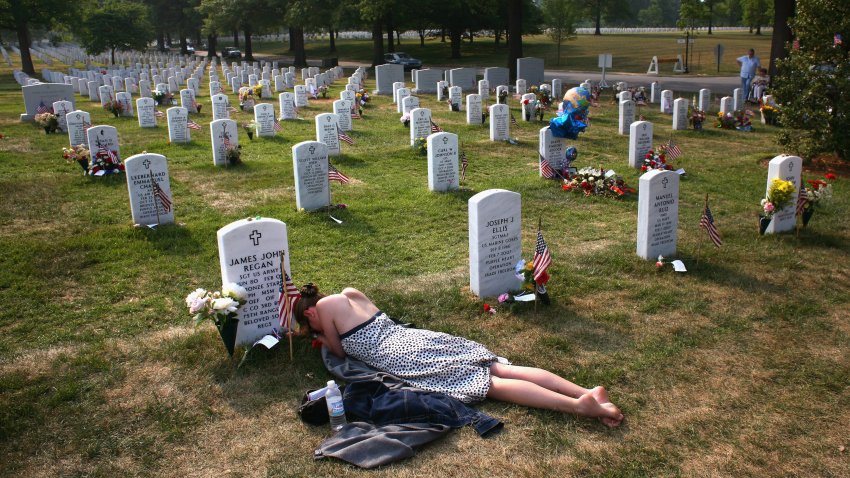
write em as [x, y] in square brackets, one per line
[749, 63]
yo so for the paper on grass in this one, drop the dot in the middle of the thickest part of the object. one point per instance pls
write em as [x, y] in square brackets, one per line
[268, 341]
[679, 266]
[524, 298]
[680, 171]
[335, 219]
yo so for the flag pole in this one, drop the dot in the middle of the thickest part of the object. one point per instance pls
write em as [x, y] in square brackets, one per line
[536, 295]
[286, 298]
[153, 196]
[699, 241]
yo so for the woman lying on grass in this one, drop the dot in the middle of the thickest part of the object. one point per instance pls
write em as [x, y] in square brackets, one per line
[349, 323]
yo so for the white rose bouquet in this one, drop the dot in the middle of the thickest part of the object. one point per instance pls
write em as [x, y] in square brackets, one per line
[218, 307]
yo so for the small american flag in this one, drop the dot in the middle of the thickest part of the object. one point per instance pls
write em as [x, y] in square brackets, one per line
[335, 175]
[464, 163]
[159, 195]
[42, 108]
[289, 296]
[542, 258]
[546, 168]
[86, 126]
[159, 114]
[802, 200]
[192, 125]
[225, 139]
[435, 128]
[344, 137]
[277, 127]
[113, 156]
[707, 222]
[354, 114]
[673, 150]
[513, 120]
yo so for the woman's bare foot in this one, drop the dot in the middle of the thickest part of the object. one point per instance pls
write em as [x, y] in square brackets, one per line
[608, 413]
[601, 396]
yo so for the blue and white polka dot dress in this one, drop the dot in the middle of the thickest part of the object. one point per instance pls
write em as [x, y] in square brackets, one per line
[432, 361]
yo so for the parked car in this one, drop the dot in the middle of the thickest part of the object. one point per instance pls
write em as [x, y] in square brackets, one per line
[401, 58]
[190, 49]
[231, 52]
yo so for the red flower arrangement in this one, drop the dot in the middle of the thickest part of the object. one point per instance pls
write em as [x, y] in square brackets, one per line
[655, 161]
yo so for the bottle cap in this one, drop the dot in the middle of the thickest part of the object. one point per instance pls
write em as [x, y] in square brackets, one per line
[331, 383]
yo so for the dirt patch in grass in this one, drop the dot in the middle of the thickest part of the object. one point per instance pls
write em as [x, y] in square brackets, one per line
[16, 144]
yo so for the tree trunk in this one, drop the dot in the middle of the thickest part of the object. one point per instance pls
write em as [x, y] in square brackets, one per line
[236, 38]
[710, 16]
[390, 32]
[377, 43]
[249, 47]
[471, 35]
[455, 35]
[212, 46]
[197, 39]
[758, 29]
[300, 59]
[497, 36]
[183, 44]
[168, 39]
[784, 11]
[397, 37]
[598, 18]
[333, 41]
[160, 41]
[443, 35]
[112, 55]
[24, 45]
[514, 35]
[558, 58]
[421, 38]
[291, 36]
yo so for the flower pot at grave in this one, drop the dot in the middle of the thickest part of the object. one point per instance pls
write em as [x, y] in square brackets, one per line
[807, 215]
[698, 125]
[228, 334]
[198, 107]
[48, 130]
[84, 163]
[250, 135]
[763, 223]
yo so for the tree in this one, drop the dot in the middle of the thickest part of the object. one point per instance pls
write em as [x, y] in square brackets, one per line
[21, 16]
[514, 35]
[117, 25]
[813, 85]
[559, 17]
[783, 13]
[651, 16]
[611, 10]
[757, 13]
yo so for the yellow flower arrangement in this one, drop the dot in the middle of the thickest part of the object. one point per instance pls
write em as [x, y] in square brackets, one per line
[779, 195]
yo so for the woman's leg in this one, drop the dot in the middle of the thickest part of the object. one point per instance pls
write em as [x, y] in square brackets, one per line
[540, 377]
[530, 394]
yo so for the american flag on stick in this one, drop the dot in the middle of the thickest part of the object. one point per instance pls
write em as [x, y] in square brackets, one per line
[86, 126]
[542, 259]
[111, 154]
[287, 299]
[277, 127]
[673, 150]
[192, 125]
[513, 121]
[464, 163]
[546, 168]
[335, 175]
[707, 222]
[159, 195]
[42, 108]
[435, 128]
[802, 200]
[344, 137]
[159, 114]
[354, 114]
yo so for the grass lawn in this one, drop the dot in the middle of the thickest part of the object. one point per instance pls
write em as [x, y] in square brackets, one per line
[631, 52]
[737, 368]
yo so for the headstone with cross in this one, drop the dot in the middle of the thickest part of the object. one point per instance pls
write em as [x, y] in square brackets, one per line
[658, 214]
[788, 168]
[443, 162]
[249, 252]
[151, 201]
[310, 166]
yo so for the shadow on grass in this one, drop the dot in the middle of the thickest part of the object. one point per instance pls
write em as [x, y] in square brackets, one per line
[810, 239]
[168, 239]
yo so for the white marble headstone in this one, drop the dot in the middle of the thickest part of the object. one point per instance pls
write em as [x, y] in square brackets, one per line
[788, 168]
[103, 138]
[658, 214]
[342, 108]
[495, 241]
[219, 107]
[126, 101]
[473, 109]
[327, 131]
[552, 149]
[737, 99]
[680, 114]
[249, 252]
[178, 121]
[627, 116]
[409, 103]
[640, 142]
[146, 205]
[264, 118]
[420, 124]
[456, 98]
[443, 162]
[286, 104]
[61, 109]
[704, 100]
[224, 134]
[77, 121]
[301, 96]
[726, 105]
[400, 95]
[499, 122]
[667, 102]
[310, 166]
[146, 111]
[483, 89]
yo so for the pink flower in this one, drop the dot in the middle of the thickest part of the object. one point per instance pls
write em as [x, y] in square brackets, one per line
[769, 207]
[489, 309]
[659, 264]
[503, 297]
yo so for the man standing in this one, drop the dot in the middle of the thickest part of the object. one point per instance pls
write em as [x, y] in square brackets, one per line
[748, 63]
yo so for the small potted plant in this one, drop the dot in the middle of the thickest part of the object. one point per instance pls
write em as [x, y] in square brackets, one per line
[250, 127]
[114, 106]
[421, 146]
[233, 155]
[779, 195]
[161, 97]
[405, 120]
[697, 118]
[48, 121]
[78, 154]
[324, 91]
[503, 97]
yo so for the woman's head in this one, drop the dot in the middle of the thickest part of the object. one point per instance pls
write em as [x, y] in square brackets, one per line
[310, 295]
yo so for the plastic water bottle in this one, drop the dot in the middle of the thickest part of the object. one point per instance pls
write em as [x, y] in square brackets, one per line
[336, 410]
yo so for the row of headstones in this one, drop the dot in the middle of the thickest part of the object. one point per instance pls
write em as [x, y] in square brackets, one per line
[528, 69]
[495, 236]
